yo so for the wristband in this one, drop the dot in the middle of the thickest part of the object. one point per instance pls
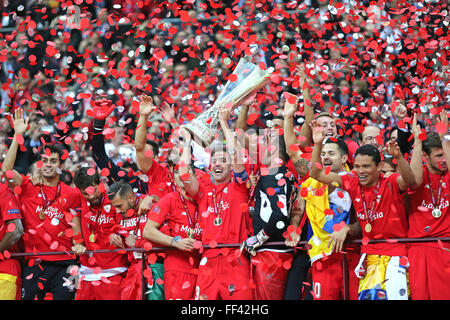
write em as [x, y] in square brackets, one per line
[242, 176]
[175, 239]
[99, 124]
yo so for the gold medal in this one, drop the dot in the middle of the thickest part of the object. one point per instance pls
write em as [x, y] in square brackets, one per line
[368, 227]
[92, 237]
[217, 221]
[190, 233]
[41, 214]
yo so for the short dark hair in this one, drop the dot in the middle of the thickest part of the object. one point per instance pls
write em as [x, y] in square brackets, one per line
[218, 147]
[129, 164]
[83, 179]
[432, 141]
[119, 188]
[342, 145]
[53, 149]
[371, 151]
[324, 114]
[66, 177]
[155, 147]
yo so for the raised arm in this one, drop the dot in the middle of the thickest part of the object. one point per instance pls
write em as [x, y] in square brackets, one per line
[168, 114]
[416, 157]
[233, 144]
[20, 127]
[102, 110]
[241, 123]
[294, 152]
[445, 137]
[190, 182]
[144, 157]
[317, 172]
[406, 178]
[305, 131]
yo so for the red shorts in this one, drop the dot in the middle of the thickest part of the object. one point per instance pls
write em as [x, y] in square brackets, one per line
[270, 270]
[100, 290]
[224, 278]
[429, 272]
[179, 285]
[328, 277]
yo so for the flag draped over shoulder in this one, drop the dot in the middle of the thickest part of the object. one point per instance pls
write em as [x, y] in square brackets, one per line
[324, 211]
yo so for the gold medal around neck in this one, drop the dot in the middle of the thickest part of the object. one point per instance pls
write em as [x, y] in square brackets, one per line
[190, 233]
[368, 227]
[92, 237]
[217, 221]
[436, 213]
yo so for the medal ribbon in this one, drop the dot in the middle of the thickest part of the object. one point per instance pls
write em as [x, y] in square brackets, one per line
[374, 201]
[435, 204]
[217, 206]
[191, 222]
[48, 202]
[94, 226]
[172, 181]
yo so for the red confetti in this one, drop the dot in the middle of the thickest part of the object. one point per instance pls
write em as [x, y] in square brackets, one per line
[441, 127]
[11, 227]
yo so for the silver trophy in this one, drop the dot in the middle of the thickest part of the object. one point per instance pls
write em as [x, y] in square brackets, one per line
[250, 78]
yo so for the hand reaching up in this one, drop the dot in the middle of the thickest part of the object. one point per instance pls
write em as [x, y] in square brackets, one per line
[19, 123]
[146, 106]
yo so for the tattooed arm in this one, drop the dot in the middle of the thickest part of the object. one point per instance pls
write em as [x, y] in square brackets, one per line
[300, 164]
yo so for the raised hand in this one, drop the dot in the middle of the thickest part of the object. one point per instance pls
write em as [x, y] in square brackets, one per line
[168, 112]
[102, 109]
[19, 123]
[185, 134]
[318, 132]
[289, 107]
[443, 116]
[415, 128]
[249, 101]
[224, 113]
[146, 106]
[300, 69]
[393, 149]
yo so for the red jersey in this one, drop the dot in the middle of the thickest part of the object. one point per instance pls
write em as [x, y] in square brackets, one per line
[170, 209]
[9, 210]
[133, 225]
[421, 222]
[160, 181]
[47, 216]
[229, 202]
[97, 224]
[385, 213]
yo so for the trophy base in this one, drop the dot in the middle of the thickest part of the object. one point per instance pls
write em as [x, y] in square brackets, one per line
[200, 132]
